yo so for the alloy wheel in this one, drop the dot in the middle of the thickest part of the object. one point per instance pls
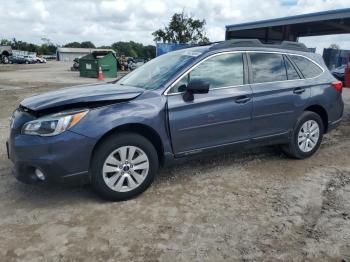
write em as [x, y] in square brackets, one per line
[125, 168]
[308, 136]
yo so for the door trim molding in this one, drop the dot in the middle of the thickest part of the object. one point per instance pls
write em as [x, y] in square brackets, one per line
[200, 150]
[216, 123]
[246, 141]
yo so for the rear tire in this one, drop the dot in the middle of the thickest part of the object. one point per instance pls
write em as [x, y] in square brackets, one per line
[306, 136]
[123, 166]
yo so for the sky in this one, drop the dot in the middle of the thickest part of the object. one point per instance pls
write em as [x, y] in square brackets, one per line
[108, 21]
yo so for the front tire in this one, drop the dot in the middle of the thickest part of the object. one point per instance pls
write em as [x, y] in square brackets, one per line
[123, 166]
[306, 136]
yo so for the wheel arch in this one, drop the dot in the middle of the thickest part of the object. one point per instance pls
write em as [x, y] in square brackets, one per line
[321, 111]
[140, 129]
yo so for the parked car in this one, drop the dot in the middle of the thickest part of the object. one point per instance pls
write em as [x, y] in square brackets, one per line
[139, 60]
[30, 59]
[17, 60]
[40, 60]
[131, 65]
[339, 72]
[227, 96]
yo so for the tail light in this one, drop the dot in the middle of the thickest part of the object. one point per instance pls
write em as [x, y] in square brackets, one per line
[338, 85]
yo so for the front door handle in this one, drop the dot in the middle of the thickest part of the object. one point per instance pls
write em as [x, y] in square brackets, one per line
[242, 99]
[299, 90]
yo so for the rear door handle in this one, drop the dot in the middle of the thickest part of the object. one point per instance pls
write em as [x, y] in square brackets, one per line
[299, 90]
[242, 99]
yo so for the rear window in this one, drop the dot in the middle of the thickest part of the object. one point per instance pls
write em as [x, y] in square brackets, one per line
[308, 68]
[267, 67]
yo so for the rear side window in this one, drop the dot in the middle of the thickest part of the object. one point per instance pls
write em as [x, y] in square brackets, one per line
[291, 72]
[308, 68]
[267, 67]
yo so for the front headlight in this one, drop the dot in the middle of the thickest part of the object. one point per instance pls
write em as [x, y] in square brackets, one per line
[54, 124]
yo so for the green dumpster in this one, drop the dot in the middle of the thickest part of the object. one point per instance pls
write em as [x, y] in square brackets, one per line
[89, 64]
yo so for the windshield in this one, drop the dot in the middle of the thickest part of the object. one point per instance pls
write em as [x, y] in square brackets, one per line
[157, 71]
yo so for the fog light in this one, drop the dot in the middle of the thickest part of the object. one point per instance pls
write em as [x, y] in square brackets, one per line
[40, 175]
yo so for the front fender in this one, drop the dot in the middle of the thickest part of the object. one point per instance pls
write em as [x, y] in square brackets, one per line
[147, 110]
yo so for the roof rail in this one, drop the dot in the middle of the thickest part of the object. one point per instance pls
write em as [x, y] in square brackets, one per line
[237, 43]
[256, 43]
[294, 46]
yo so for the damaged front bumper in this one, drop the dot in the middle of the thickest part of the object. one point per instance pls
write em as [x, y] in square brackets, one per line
[62, 158]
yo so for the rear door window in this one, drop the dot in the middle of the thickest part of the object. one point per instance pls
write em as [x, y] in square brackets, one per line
[308, 68]
[291, 72]
[267, 67]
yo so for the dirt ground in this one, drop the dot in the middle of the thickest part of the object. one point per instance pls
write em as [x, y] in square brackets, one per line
[249, 206]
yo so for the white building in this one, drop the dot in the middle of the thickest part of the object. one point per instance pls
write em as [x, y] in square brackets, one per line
[69, 54]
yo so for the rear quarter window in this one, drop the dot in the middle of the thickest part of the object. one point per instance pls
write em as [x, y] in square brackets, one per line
[308, 68]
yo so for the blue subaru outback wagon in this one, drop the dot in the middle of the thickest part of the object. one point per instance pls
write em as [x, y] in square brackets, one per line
[228, 95]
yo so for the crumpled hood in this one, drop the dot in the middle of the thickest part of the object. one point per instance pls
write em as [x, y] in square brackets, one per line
[81, 95]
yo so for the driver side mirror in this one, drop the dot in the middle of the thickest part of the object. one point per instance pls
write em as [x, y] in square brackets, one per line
[196, 87]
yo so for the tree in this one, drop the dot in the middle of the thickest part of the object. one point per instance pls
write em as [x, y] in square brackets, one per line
[47, 49]
[134, 49]
[182, 29]
[87, 44]
[334, 46]
[5, 42]
[73, 44]
[149, 51]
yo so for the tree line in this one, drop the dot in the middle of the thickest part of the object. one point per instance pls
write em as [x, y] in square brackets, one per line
[44, 49]
[128, 49]
[181, 29]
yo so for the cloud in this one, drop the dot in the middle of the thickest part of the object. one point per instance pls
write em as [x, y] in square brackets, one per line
[108, 21]
[114, 7]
